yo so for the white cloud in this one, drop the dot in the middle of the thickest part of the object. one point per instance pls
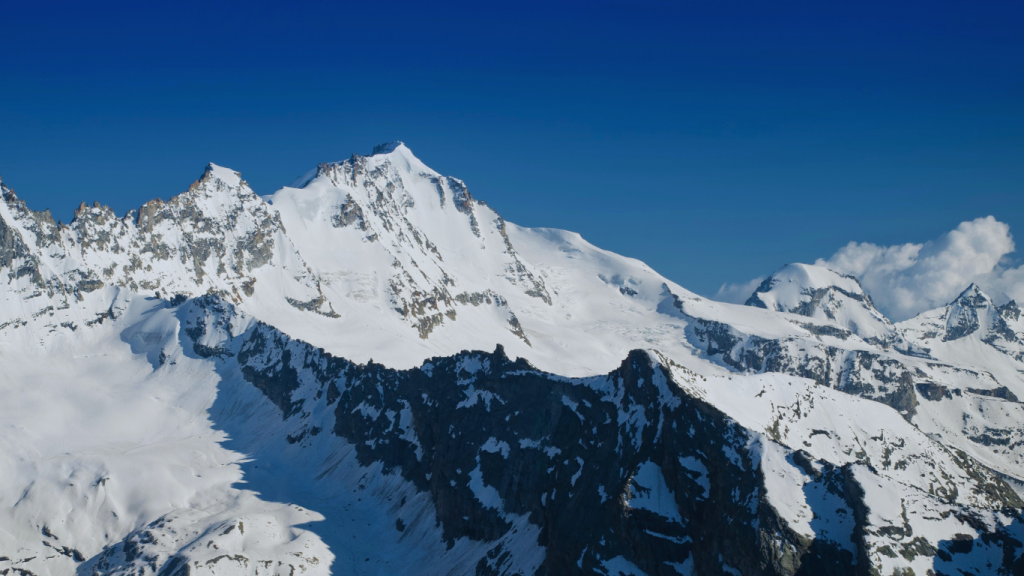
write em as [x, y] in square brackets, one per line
[906, 279]
[738, 293]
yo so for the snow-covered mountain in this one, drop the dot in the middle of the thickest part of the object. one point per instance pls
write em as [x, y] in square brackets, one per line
[820, 293]
[374, 373]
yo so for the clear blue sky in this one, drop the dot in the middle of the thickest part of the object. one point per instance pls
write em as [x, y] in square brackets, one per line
[715, 140]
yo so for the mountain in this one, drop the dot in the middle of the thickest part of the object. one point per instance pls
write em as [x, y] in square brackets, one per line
[373, 372]
[818, 292]
[972, 316]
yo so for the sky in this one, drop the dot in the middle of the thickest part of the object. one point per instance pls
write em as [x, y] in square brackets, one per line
[715, 140]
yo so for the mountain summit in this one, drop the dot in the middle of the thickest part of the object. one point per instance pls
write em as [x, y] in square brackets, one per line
[817, 292]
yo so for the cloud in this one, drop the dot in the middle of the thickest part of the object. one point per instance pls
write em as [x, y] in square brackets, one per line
[738, 293]
[906, 279]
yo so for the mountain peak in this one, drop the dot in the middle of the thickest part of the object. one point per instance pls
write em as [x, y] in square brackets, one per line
[388, 148]
[973, 294]
[394, 153]
[786, 288]
[972, 311]
[818, 292]
[218, 186]
[398, 154]
[229, 177]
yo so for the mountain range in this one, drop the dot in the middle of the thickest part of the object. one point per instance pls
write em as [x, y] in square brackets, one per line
[372, 372]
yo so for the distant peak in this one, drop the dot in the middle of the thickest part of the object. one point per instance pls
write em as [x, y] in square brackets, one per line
[819, 292]
[810, 277]
[387, 148]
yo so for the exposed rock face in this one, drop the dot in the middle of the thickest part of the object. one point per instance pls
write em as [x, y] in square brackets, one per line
[1010, 311]
[973, 310]
[349, 214]
[527, 440]
[962, 319]
[973, 315]
[215, 238]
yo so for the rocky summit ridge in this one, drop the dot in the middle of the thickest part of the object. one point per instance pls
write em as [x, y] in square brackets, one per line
[373, 372]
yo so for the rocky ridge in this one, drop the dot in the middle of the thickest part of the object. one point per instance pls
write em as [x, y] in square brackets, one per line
[217, 237]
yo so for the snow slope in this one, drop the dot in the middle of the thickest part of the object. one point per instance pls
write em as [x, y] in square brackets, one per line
[99, 444]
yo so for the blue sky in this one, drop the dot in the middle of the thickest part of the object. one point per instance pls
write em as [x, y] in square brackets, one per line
[714, 140]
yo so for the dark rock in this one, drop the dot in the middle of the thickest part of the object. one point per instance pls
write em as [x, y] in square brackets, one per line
[558, 451]
[1001, 392]
[932, 391]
